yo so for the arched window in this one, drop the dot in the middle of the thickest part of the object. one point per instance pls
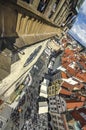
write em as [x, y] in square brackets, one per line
[42, 5]
[54, 7]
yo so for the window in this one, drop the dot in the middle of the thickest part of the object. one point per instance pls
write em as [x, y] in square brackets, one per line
[53, 10]
[29, 1]
[42, 5]
[59, 118]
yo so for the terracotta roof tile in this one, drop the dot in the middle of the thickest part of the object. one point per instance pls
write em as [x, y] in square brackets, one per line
[72, 104]
[65, 92]
[82, 57]
[83, 64]
[65, 65]
[80, 97]
[79, 86]
[64, 40]
[84, 128]
[81, 76]
[71, 71]
[68, 51]
[64, 75]
[68, 86]
[77, 116]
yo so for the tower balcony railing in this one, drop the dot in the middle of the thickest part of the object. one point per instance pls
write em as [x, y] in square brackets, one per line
[21, 23]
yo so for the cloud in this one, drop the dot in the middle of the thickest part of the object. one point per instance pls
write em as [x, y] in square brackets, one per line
[83, 8]
[78, 31]
[79, 28]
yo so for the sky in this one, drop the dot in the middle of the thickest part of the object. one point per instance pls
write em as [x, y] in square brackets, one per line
[78, 30]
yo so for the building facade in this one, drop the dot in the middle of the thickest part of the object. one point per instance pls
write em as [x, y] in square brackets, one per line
[57, 104]
[25, 22]
[54, 88]
[58, 121]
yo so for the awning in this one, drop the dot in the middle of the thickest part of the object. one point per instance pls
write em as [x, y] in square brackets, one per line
[43, 107]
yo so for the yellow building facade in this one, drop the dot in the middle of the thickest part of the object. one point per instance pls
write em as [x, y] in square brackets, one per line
[54, 88]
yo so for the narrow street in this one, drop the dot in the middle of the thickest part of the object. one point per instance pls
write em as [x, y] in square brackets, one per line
[28, 111]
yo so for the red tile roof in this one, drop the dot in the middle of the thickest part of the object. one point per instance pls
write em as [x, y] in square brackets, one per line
[65, 65]
[66, 60]
[68, 52]
[79, 86]
[83, 109]
[84, 128]
[71, 87]
[68, 86]
[65, 92]
[64, 40]
[80, 97]
[83, 64]
[81, 76]
[82, 58]
[72, 104]
[64, 75]
[71, 71]
[78, 117]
